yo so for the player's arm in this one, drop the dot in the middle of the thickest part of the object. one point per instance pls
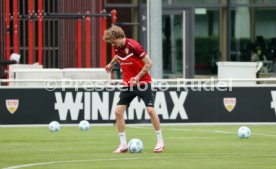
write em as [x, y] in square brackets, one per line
[146, 68]
[111, 64]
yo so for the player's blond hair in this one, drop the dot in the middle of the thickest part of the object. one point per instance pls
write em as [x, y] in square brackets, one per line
[114, 32]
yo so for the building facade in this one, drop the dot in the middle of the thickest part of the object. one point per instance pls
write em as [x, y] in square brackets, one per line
[218, 30]
[195, 33]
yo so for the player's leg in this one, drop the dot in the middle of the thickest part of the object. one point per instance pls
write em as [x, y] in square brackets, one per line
[156, 124]
[120, 121]
[125, 98]
[147, 97]
[119, 114]
[154, 118]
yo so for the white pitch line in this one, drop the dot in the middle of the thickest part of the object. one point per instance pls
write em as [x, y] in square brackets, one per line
[209, 131]
[205, 131]
[270, 135]
[188, 155]
[189, 137]
[77, 161]
[209, 124]
[147, 124]
[46, 125]
[227, 154]
[224, 132]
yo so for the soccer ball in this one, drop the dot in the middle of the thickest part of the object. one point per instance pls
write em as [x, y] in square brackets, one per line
[135, 145]
[84, 125]
[54, 126]
[244, 132]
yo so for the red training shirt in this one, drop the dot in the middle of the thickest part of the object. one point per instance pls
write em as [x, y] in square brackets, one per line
[130, 57]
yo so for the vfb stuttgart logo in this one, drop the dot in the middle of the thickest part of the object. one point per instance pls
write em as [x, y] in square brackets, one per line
[229, 103]
[12, 105]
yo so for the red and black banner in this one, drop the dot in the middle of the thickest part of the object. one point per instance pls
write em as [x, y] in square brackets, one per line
[39, 106]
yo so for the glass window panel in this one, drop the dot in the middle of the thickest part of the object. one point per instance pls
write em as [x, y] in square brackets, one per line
[269, 1]
[265, 38]
[196, 1]
[254, 36]
[119, 1]
[242, 1]
[206, 41]
[257, 1]
[165, 2]
[265, 22]
[253, 1]
[241, 34]
[172, 46]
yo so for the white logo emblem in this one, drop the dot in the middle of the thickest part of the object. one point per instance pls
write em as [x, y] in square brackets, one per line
[12, 105]
[229, 103]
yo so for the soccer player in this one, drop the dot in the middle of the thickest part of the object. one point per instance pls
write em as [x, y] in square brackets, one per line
[135, 64]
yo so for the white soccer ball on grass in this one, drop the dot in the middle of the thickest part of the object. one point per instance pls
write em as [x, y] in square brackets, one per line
[244, 132]
[135, 145]
[84, 125]
[54, 126]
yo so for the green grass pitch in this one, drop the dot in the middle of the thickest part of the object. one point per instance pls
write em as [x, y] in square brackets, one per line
[187, 147]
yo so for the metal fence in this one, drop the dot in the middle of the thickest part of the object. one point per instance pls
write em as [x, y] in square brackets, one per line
[59, 42]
